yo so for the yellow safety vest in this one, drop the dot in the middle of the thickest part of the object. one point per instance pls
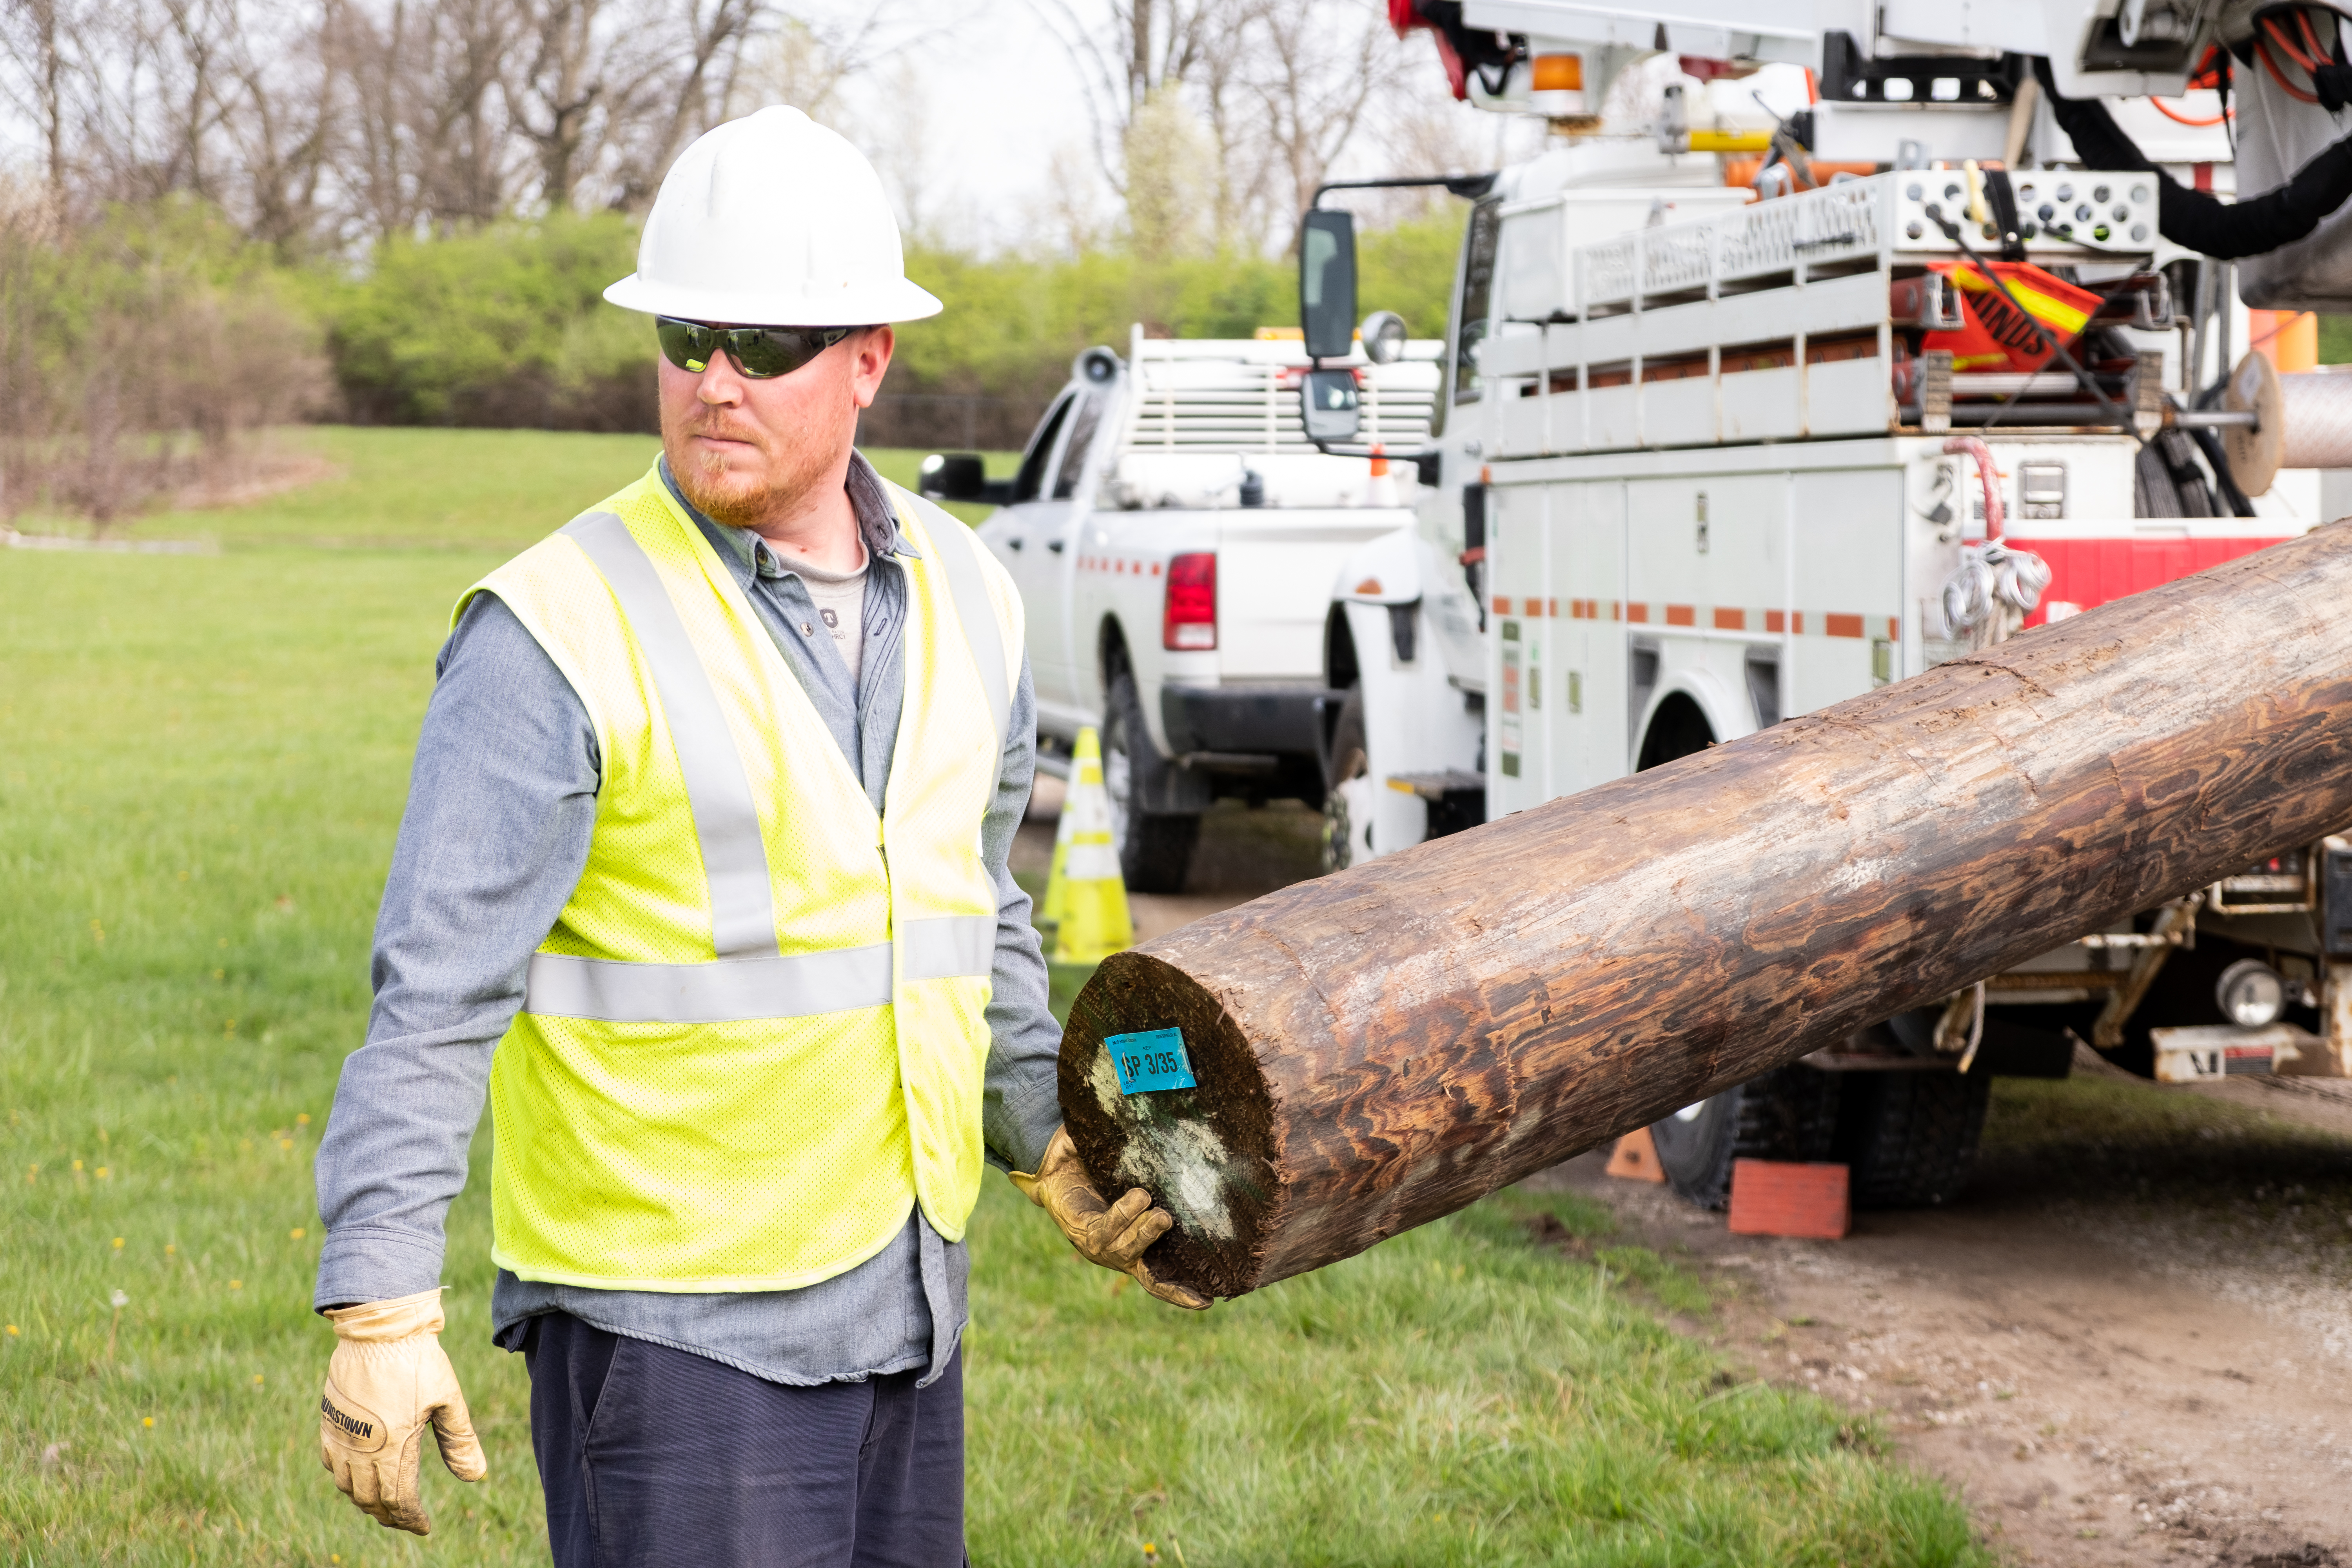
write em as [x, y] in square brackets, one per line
[756, 1035]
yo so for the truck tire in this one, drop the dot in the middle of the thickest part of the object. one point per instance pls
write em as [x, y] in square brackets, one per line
[1350, 761]
[1155, 848]
[1908, 1139]
[1789, 1113]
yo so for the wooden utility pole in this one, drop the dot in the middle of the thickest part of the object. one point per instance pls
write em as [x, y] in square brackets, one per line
[1383, 1046]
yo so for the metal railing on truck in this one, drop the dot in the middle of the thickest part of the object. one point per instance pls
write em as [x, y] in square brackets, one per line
[1794, 318]
[1242, 395]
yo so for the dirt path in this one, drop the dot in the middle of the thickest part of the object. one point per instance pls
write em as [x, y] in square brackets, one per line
[2111, 1374]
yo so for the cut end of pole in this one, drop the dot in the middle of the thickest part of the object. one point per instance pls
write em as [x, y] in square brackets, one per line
[1201, 1152]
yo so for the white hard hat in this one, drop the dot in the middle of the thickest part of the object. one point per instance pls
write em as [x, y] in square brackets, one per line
[774, 221]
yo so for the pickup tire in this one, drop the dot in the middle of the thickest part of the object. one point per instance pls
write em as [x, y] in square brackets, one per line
[1155, 848]
[1789, 1113]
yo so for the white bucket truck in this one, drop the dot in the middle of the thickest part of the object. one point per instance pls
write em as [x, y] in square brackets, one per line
[1925, 374]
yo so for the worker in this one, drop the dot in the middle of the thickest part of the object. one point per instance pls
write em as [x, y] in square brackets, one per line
[703, 878]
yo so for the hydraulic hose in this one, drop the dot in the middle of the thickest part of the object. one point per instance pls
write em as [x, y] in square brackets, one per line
[2226, 231]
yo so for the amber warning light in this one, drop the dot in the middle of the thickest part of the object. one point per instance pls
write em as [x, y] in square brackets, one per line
[1558, 73]
[1191, 619]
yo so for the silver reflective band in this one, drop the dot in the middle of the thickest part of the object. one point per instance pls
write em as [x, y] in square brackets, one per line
[959, 559]
[738, 990]
[947, 947]
[730, 992]
[718, 789]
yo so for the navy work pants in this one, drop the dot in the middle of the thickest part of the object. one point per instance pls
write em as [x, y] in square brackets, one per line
[653, 1457]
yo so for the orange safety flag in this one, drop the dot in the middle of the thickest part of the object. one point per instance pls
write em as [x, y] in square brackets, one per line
[1998, 336]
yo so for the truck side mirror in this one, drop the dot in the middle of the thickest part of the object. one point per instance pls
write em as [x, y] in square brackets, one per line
[1326, 405]
[1327, 282]
[952, 476]
[1384, 335]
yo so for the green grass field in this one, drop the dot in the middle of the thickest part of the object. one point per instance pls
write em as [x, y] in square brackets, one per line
[201, 765]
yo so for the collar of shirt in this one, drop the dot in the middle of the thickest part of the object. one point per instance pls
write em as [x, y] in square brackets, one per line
[878, 522]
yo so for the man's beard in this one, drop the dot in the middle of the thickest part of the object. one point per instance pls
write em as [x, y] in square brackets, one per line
[741, 498]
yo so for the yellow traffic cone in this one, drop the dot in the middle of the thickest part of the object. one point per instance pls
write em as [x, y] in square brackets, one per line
[1085, 897]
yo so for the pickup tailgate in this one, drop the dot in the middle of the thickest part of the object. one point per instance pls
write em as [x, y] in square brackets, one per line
[1274, 569]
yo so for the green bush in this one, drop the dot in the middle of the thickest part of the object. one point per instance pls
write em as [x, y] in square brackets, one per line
[1012, 326]
[141, 353]
[504, 326]
[1409, 270]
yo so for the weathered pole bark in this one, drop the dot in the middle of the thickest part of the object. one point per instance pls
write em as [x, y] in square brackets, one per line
[1379, 1047]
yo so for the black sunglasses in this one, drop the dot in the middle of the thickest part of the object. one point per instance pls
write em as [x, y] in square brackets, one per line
[761, 354]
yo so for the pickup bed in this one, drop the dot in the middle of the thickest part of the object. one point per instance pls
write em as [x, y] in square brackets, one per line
[1176, 538]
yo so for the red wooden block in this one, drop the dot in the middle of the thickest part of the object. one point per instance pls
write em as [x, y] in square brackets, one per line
[1777, 1197]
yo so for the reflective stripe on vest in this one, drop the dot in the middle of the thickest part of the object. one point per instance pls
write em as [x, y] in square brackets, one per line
[945, 947]
[960, 562]
[726, 823]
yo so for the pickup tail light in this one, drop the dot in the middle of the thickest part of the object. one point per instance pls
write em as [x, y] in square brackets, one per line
[1190, 622]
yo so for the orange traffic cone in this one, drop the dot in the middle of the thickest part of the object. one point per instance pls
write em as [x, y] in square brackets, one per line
[1635, 1158]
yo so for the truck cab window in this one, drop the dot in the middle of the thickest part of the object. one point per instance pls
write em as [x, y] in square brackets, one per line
[1074, 450]
[1031, 481]
[1477, 292]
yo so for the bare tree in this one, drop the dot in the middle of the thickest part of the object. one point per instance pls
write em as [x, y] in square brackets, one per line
[706, 39]
[1283, 87]
[374, 165]
[34, 44]
[1171, 179]
[471, 168]
[279, 122]
[800, 64]
[326, 122]
[1319, 66]
[564, 82]
[428, 139]
[1126, 50]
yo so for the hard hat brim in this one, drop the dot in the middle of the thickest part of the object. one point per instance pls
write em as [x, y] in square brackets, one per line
[894, 299]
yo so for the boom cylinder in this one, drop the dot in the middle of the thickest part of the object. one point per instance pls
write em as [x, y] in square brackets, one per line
[1383, 1046]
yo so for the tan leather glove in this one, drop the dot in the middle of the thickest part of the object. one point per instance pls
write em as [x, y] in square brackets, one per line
[1112, 1236]
[388, 1379]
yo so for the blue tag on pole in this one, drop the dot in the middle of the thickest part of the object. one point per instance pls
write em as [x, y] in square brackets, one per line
[1151, 1060]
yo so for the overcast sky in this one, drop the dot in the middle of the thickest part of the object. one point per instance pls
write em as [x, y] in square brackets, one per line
[1009, 92]
[999, 98]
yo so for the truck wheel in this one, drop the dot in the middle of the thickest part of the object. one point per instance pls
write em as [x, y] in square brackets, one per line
[1908, 1139]
[1350, 763]
[1789, 1113]
[1155, 848]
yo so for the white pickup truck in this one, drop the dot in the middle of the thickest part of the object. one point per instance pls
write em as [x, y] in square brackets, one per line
[1176, 539]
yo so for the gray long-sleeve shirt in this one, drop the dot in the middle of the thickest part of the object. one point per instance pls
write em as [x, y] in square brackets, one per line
[501, 810]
